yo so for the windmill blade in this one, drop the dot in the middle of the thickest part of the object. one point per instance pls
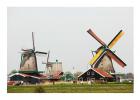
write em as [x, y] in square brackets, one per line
[98, 55]
[41, 52]
[115, 39]
[95, 36]
[116, 58]
[48, 57]
[33, 41]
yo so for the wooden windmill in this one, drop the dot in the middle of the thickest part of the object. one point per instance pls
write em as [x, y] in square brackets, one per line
[28, 59]
[103, 57]
[48, 65]
[53, 69]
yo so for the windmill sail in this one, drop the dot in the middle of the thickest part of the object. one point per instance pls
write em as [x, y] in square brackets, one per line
[116, 58]
[97, 56]
[33, 41]
[115, 39]
[96, 37]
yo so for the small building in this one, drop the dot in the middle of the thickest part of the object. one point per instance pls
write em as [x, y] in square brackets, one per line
[95, 74]
[27, 78]
[55, 76]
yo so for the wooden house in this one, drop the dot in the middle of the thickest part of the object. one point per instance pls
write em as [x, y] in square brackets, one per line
[95, 74]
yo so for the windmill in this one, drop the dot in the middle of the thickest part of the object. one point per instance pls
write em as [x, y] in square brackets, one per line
[48, 65]
[53, 69]
[29, 60]
[103, 57]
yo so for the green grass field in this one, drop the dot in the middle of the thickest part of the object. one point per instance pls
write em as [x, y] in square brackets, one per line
[74, 88]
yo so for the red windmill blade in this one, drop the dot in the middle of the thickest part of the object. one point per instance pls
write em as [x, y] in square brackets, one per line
[95, 36]
[115, 58]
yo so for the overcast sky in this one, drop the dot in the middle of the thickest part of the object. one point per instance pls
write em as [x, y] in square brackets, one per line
[63, 32]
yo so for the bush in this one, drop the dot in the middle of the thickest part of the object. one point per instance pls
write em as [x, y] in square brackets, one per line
[39, 89]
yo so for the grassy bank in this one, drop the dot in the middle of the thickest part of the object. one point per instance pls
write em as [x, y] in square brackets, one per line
[74, 88]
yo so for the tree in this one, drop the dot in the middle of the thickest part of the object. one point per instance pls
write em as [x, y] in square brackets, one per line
[68, 76]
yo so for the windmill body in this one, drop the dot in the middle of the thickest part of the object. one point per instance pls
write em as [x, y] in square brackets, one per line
[49, 68]
[105, 64]
[28, 62]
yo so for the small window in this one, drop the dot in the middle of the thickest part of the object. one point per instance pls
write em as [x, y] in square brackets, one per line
[92, 73]
[81, 79]
[88, 73]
